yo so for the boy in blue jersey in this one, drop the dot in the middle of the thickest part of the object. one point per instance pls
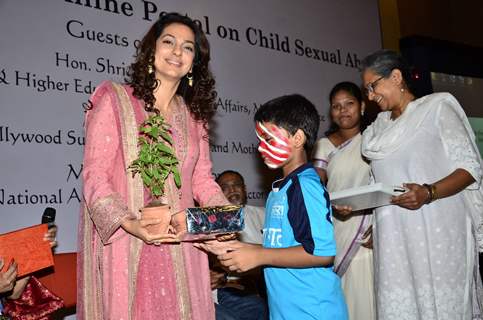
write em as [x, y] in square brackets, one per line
[299, 247]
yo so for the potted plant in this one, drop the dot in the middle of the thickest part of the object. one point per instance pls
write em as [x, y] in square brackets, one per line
[155, 162]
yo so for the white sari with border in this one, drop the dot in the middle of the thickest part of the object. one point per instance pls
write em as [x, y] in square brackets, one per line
[345, 169]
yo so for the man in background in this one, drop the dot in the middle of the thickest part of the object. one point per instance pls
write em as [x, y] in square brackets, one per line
[233, 186]
[238, 298]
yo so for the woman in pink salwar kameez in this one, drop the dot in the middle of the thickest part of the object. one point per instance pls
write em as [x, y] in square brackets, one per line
[123, 271]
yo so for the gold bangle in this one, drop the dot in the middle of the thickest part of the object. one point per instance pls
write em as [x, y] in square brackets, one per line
[429, 188]
[434, 194]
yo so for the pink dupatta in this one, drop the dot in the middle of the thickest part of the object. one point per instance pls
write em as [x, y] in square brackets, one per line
[119, 275]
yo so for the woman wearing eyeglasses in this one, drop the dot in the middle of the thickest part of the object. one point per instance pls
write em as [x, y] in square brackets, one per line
[426, 243]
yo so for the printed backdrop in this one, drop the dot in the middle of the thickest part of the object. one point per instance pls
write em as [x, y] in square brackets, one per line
[54, 52]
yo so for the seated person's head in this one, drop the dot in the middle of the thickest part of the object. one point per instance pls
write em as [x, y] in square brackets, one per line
[233, 186]
[286, 126]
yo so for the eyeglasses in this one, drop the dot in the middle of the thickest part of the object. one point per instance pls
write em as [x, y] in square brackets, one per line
[371, 85]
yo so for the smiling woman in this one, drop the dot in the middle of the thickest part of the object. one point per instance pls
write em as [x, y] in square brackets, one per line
[175, 51]
[426, 242]
[170, 77]
[389, 84]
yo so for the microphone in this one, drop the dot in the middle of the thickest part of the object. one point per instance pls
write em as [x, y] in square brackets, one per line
[49, 216]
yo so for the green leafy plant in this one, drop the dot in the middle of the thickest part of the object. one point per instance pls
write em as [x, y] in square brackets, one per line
[156, 159]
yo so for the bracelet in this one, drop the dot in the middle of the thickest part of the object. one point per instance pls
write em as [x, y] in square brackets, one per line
[430, 196]
[434, 195]
[431, 188]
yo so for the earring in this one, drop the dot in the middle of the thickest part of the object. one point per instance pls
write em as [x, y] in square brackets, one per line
[150, 68]
[402, 89]
[189, 76]
[362, 112]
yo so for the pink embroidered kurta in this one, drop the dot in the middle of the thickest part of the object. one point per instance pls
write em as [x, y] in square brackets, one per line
[119, 276]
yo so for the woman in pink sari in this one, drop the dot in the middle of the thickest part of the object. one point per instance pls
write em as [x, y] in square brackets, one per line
[122, 274]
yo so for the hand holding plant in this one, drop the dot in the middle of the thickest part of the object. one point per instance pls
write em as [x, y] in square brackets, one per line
[156, 161]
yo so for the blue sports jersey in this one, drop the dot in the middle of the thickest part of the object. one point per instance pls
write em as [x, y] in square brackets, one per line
[298, 213]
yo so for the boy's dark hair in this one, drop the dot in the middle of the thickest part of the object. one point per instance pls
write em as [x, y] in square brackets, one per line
[291, 112]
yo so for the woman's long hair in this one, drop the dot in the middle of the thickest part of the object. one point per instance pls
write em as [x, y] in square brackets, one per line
[201, 97]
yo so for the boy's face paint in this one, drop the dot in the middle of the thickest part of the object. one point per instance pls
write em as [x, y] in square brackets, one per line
[274, 144]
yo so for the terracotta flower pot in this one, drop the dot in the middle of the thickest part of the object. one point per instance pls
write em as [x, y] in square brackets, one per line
[160, 212]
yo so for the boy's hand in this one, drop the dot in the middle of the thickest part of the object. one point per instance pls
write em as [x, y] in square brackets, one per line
[244, 257]
[217, 247]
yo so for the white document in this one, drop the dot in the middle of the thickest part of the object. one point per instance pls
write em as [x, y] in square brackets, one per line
[365, 197]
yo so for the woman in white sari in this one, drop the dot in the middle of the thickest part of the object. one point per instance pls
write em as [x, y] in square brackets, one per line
[426, 245]
[339, 163]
